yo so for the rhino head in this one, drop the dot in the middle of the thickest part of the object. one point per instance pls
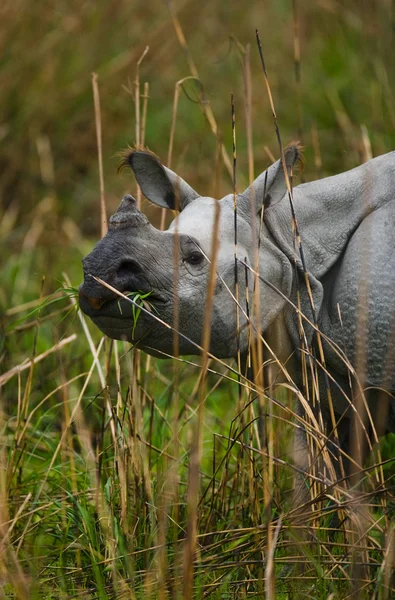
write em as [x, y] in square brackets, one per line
[174, 265]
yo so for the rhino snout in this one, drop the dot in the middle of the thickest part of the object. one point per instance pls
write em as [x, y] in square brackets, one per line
[126, 276]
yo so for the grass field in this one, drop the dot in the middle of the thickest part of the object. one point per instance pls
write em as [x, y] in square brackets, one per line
[123, 476]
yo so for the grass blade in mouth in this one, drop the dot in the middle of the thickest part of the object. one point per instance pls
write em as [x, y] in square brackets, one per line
[140, 298]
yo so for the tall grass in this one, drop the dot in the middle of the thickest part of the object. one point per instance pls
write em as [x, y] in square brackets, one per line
[123, 476]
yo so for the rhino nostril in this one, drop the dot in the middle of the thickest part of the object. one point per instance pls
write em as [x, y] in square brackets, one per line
[95, 303]
[128, 267]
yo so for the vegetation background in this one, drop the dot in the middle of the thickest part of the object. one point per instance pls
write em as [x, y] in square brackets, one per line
[96, 488]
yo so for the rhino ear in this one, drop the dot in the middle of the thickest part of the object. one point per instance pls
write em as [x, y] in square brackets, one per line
[270, 186]
[159, 184]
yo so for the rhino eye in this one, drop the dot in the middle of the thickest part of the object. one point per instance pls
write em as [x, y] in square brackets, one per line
[194, 258]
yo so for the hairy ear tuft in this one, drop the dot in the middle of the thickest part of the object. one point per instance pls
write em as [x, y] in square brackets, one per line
[293, 154]
[126, 156]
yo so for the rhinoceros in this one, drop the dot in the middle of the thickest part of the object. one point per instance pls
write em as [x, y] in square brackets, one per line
[341, 276]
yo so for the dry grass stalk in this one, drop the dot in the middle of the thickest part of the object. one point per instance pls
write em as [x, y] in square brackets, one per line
[96, 99]
[297, 68]
[248, 111]
[28, 364]
[234, 179]
[138, 125]
[144, 117]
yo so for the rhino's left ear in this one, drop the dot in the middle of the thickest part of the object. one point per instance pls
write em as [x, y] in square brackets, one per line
[270, 186]
[158, 183]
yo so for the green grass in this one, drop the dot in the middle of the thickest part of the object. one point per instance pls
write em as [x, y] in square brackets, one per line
[96, 483]
[97, 496]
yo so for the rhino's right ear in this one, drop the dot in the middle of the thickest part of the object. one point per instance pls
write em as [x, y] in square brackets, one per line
[270, 186]
[158, 183]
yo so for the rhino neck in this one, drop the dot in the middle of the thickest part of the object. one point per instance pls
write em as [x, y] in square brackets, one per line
[278, 353]
[330, 210]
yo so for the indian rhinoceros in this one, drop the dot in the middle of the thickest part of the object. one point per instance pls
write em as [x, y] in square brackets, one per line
[347, 232]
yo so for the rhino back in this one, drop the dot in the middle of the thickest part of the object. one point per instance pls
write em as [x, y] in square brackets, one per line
[361, 286]
[330, 210]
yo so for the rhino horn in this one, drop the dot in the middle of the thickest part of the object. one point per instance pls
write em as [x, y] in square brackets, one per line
[127, 214]
[158, 183]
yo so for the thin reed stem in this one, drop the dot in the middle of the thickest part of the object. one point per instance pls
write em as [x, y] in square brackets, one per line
[96, 98]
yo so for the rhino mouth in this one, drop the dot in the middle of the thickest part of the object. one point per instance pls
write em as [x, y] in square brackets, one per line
[119, 308]
[120, 319]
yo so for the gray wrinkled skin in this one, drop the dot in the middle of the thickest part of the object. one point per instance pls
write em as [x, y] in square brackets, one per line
[347, 225]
